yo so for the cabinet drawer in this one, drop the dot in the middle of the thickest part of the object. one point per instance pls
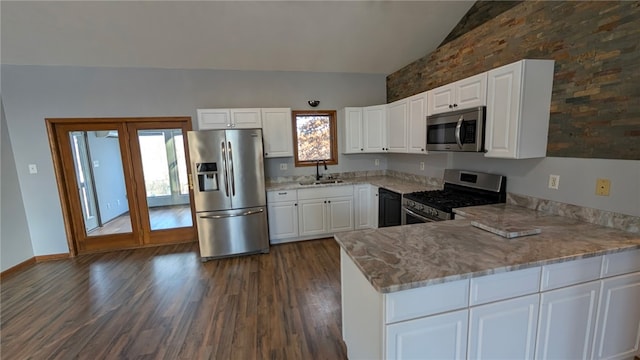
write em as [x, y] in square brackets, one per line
[504, 285]
[324, 192]
[433, 299]
[570, 272]
[621, 263]
[282, 195]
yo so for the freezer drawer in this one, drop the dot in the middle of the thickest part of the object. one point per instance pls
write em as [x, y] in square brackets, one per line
[232, 232]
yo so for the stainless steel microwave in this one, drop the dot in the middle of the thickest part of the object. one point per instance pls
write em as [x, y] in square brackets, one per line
[460, 130]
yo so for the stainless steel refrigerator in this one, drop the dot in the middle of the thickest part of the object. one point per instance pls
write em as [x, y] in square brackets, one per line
[229, 193]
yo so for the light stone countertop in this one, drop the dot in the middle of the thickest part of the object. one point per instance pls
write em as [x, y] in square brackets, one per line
[398, 185]
[404, 257]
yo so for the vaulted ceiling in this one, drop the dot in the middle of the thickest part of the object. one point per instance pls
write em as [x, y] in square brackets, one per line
[320, 36]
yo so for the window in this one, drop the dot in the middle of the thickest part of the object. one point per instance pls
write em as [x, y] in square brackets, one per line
[315, 137]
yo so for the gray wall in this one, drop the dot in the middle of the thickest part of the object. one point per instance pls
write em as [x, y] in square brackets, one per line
[15, 244]
[33, 93]
[530, 177]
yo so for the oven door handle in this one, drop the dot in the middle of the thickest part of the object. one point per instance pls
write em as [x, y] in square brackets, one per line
[425, 219]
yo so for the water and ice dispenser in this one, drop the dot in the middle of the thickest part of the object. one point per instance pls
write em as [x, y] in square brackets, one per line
[207, 176]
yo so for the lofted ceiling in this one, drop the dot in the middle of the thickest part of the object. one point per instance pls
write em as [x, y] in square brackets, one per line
[319, 36]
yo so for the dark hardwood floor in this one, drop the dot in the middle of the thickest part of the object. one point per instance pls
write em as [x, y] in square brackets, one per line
[163, 303]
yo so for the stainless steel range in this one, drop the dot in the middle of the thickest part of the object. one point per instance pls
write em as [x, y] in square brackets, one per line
[461, 188]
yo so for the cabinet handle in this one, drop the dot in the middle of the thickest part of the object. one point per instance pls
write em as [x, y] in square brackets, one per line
[325, 201]
[450, 106]
[266, 154]
[296, 204]
[455, 105]
[228, 125]
[329, 201]
[361, 149]
[282, 193]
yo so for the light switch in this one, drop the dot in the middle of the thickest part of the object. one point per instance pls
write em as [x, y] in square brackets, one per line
[33, 169]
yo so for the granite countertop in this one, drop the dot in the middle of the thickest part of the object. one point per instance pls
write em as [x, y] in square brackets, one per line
[398, 185]
[404, 257]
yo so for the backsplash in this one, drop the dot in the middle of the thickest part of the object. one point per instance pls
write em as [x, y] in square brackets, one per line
[425, 180]
[595, 216]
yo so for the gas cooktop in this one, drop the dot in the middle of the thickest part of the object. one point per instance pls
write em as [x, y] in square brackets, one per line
[461, 188]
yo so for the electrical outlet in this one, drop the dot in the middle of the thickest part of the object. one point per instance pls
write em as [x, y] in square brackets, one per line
[421, 165]
[283, 166]
[377, 162]
[554, 181]
[603, 186]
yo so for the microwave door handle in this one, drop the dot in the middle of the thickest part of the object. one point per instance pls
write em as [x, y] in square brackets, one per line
[224, 160]
[458, 127]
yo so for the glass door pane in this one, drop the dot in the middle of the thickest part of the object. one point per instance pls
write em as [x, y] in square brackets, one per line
[101, 182]
[165, 178]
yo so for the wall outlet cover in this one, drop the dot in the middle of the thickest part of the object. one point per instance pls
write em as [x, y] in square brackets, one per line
[603, 186]
[554, 182]
[283, 166]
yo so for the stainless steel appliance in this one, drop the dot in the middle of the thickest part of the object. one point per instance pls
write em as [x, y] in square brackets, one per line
[461, 188]
[461, 130]
[229, 193]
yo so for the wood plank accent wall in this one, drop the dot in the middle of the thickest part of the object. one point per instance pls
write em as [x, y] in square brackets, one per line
[595, 105]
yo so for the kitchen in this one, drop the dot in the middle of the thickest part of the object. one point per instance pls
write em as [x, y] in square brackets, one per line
[43, 89]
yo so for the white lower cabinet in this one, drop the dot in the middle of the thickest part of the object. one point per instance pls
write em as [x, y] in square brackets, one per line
[309, 213]
[567, 322]
[441, 336]
[366, 206]
[504, 329]
[282, 207]
[618, 325]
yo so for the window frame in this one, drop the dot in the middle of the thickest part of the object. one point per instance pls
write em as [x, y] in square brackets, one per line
[333, 134]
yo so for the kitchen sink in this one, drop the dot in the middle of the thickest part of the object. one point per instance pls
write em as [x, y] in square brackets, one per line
[320, 182]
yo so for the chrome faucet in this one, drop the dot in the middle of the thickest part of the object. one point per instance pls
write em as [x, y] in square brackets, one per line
[318, 176]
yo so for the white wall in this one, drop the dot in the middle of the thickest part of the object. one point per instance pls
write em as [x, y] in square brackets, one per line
[530, 177]
[15, 244]
[33, 93]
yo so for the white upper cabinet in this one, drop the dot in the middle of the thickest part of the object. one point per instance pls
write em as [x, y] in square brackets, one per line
[353, 143]
[397, 118]
[277, 132]
[229, 119]
[518, 109]
[462, 94]
[417, 129]
[374, 126]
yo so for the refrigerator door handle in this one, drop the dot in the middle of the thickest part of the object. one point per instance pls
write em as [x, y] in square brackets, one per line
[233, 177]
[224, 158]
[251, 212]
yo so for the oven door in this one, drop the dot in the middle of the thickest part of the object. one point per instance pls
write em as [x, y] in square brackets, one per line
[411, 217]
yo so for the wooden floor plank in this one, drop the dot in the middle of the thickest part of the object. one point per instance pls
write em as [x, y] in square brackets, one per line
[163, 302]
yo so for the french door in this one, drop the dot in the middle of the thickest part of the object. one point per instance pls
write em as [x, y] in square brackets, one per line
[123, 182]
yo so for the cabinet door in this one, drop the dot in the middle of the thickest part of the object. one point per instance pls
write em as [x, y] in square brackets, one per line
[277, 132]
[283, 221]
[340, 214]
[373, 211]
[432, 337]
[471, 92]
[374, 124]
[441, 99]
[504, 329]
[567, 320]
[618, 325]
[246, 118]
[363, 206]
[312, 217]
[417, 131]
[397, 126]
[503, 104]
[353, 131]
[213, 119]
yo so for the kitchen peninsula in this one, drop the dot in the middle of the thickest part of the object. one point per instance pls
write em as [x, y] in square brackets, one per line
[451, 290]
